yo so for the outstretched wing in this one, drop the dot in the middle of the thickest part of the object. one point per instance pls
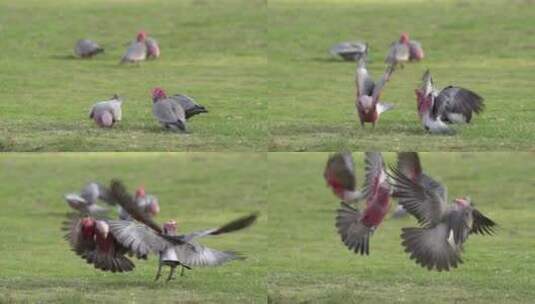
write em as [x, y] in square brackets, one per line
[79, 244]
[482, 224]
[375, 174]
[138, 238]
[126, 201]
[354, 234]
[380, 84]
[457, 100]
[197, 255]
[235, 225]
[422, 197]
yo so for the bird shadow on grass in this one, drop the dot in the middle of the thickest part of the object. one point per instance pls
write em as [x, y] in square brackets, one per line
[119, 282]
[64, 57]
[331, 60]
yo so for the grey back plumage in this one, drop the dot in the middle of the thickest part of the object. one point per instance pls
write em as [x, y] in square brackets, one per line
[136, 52]
[87, 48]
[190, 106]
[169, 113]
[350, 51]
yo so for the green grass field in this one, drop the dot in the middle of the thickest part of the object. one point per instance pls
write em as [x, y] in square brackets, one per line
[309, 264]
[198, 190]
[213, 51]
[486, 46]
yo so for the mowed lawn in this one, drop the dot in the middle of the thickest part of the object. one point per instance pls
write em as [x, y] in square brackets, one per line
[486, 46]
[213, 51]
[309, 263]
[198, 190]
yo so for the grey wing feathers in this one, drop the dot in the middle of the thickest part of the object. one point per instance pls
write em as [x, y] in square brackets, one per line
[353, 233]
[374, 168]
[195, 254]
[380, 84]
[138, 238]
[482, 224]
[457, 100]
[191, 108]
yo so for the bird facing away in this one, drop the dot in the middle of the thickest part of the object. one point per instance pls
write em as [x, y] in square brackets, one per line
[438, 242]
[339, 174]
[190, 106]
[86, 202]
[168, 111]
[137, 51]
[403, 51]
[355, 226]
[144, 236]
[451, 105]
[107, 113]
[368, 104]
[349, 51]
[86, 48]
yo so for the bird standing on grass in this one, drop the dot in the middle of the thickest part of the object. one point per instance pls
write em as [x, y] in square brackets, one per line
[107, 113]
[451, 105]
[404, 50]
[367, 102]
[444, 228]
[168, 111]
[86, 48]
[349, 51]
[137, 51]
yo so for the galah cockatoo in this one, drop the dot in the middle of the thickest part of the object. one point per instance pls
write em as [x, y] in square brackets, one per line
[91, 239]
[86, 48]
[146, 203]
[403, 51]
[444, 228]
[86, 201]
[349, 51]
[190, 106]
[107, 113]
[153, 48]
[168, 111]
[144, 236]
[451, 105]
[356, 226]
[368, 104]
[137, 51]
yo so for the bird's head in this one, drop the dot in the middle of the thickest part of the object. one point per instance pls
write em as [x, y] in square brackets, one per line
[154, 207]
[103, 229]
[141, 36]
[404, 38]
[423, 102]
[169, 227]
[463, 201]
[140, 192]
[157, 94]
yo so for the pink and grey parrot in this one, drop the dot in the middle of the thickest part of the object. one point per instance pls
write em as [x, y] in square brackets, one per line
[153, 48]
[444, 228]
[86, 48]
[168, 111]
[190, 106]
[368, 104]
[107, 113]
[144, 236]
[137, 51]
[86, 202]
[403, 51]
[349, 51]
[339, 174]
[356, 226]
[147, 203]
[451, 105]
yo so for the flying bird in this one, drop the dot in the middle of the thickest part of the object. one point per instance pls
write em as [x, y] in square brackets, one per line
[168, 111]
[403, 51]
[339, 174]
[368, 104]
[349, 51]
[451, 105]
[86, 202]
[144, 236]
[356, 226]
[137, 51]
[86, 48]
[107, 113]
[444, 228]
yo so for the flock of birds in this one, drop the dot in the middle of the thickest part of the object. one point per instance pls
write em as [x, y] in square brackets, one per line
[443, 229]
[171, 112]
[110, 244]
[437, 109]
